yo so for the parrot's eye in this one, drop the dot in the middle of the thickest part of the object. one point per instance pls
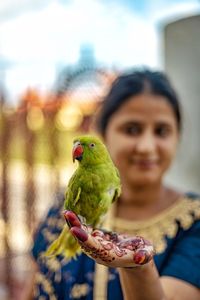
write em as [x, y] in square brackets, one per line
[91, 145]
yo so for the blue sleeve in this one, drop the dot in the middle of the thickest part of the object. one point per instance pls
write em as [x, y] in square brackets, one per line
[184, 260]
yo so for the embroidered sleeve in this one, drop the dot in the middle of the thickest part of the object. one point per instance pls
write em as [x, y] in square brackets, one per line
[48, 277]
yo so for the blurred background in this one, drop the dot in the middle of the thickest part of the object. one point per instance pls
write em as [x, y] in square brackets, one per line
[57, 60]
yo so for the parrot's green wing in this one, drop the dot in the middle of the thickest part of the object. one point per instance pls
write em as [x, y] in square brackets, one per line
[73, 193]
[118, 189]
[77, 196]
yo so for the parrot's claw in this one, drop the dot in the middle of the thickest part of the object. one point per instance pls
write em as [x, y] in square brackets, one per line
[82, 219]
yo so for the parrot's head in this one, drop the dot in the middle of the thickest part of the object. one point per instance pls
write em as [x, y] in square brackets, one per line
[89, 150]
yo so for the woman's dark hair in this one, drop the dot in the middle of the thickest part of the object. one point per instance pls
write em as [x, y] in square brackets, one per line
[134, 83]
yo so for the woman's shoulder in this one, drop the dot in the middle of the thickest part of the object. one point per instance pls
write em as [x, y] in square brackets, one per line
[181, 258]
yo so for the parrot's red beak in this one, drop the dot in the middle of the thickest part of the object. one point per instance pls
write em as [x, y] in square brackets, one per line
[77, 151]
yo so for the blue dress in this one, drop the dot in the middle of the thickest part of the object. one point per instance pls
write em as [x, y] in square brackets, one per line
[175, 233]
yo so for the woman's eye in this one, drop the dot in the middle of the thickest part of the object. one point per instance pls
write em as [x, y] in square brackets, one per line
[162, 131]
[133, 130]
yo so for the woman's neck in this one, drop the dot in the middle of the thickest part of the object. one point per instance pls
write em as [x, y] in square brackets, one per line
[144, 202]
[141, 195]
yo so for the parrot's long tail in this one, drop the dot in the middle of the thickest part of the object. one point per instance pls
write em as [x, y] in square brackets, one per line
[65, 245]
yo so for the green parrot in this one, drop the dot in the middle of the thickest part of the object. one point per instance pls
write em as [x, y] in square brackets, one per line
[92, 188]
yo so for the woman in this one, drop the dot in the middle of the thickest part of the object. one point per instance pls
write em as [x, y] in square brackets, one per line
[140, 122]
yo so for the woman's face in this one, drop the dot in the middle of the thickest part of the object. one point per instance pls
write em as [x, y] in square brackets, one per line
[142, 137]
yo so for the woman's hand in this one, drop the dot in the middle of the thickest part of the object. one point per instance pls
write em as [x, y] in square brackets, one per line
[110, 248]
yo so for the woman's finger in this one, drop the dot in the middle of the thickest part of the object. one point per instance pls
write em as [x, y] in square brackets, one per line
[71, 219]
[79, 234]
[143, 256]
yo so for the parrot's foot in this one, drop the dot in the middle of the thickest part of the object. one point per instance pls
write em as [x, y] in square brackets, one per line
[82, 219]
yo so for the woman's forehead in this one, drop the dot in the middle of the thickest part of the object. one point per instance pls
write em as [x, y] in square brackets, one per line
[146, 102]
[146, 107]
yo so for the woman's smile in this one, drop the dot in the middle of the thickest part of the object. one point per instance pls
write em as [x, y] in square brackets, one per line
[144, 164]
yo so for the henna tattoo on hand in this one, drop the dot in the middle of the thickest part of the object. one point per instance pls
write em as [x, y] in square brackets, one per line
[110, 248]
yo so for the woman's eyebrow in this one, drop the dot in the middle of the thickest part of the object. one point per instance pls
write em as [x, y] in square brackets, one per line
[164, 123]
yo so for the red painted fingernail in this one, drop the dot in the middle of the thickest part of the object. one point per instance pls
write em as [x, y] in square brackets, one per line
[79, 233]
[72, 218]
[140, 257]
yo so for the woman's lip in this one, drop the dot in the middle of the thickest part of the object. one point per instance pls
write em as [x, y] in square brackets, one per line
[145, 163]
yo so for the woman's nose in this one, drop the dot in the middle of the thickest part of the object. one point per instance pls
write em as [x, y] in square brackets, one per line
[146, 143]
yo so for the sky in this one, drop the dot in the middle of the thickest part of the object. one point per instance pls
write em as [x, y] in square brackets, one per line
[38, 37]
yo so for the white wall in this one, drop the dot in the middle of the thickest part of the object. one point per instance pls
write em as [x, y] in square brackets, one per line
[182, 64]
